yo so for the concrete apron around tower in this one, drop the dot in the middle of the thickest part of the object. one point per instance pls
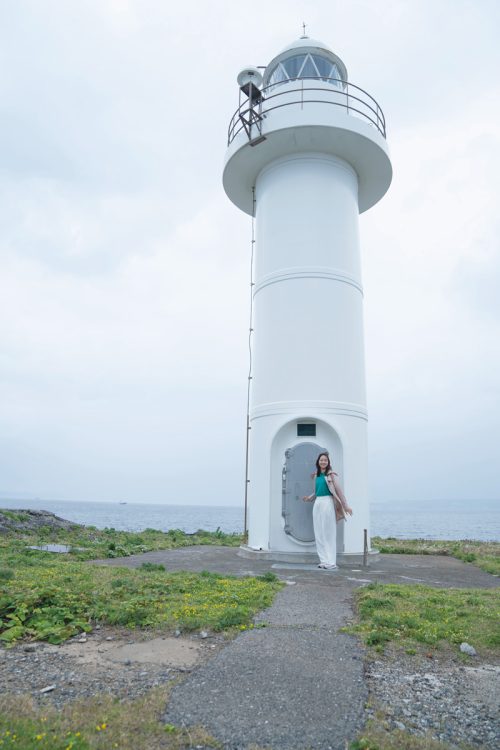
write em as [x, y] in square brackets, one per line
[344, 559]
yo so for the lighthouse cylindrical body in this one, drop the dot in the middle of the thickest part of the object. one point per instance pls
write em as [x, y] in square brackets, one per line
[306, 170]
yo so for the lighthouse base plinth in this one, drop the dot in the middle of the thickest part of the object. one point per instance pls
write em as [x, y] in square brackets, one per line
[344, 559]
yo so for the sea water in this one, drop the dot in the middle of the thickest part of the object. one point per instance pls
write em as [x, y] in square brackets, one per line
[438, 519]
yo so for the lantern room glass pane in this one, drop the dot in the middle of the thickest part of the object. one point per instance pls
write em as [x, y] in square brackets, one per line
[309, 71]
[278, 75]
[293, 65]
[335, 72]
[324, 66]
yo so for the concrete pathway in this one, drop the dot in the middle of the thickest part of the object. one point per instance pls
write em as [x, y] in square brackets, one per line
[298, 683]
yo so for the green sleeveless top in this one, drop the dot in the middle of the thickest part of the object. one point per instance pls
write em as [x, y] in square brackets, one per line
[321, 486]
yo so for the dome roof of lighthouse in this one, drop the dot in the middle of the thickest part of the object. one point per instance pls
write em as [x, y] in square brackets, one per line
[305, 58]
[305, 41]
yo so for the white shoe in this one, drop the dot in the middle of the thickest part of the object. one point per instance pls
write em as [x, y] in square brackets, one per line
[329, 567]
[321, 565]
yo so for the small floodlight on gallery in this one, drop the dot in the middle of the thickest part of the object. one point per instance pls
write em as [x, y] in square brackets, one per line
[250, 81]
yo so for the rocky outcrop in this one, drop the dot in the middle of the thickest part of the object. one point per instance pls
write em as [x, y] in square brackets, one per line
[32, 520]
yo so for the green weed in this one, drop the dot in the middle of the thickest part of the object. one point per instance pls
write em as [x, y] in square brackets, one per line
[383, 739]
[420, 614]
[88, 543]
[16, 516]
[53, 597]
[268, 576]
[99, 723]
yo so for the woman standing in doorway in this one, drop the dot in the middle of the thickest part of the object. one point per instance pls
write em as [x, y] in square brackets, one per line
[330, 506]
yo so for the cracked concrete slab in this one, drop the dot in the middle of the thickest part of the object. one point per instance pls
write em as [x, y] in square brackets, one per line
[166, 651]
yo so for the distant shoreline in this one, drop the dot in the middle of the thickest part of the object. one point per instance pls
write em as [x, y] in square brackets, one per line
[9, 497]
[457, 520]
[30, 520]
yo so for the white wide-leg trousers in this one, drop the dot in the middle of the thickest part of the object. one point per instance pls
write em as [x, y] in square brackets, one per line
[325, 529]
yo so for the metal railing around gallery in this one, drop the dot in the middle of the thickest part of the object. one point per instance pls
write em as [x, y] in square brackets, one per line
[258, 103]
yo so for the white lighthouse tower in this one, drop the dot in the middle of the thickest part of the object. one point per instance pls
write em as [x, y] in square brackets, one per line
[306, 154]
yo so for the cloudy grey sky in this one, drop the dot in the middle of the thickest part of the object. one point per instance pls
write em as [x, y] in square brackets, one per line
[124, 267]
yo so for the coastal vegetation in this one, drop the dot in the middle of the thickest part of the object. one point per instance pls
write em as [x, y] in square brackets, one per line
[416, 616]
[55, 596]
[53, 599]
[100, 723]
[485, 555]
[89, 543]
[377, 737]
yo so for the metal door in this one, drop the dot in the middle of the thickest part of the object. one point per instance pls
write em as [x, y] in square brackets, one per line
[299, 464]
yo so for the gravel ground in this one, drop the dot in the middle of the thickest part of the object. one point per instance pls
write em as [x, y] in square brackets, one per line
[126, 665]
[441, 697]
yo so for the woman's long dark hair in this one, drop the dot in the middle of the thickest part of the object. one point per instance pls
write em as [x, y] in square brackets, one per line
[328, 468]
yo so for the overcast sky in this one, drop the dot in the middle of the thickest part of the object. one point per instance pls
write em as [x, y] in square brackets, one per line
[124, 267]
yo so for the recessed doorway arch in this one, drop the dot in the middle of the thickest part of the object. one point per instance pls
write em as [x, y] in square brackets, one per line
[293, 460]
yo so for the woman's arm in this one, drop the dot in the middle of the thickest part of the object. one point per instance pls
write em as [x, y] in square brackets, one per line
[341, 496]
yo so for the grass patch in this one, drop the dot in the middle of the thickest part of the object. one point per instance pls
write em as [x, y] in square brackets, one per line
[100, 723]
[377, 737]
[485, 555]
[152, 566]
[53, 597]
[89, 543]
[421, 615]
[16, 516]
